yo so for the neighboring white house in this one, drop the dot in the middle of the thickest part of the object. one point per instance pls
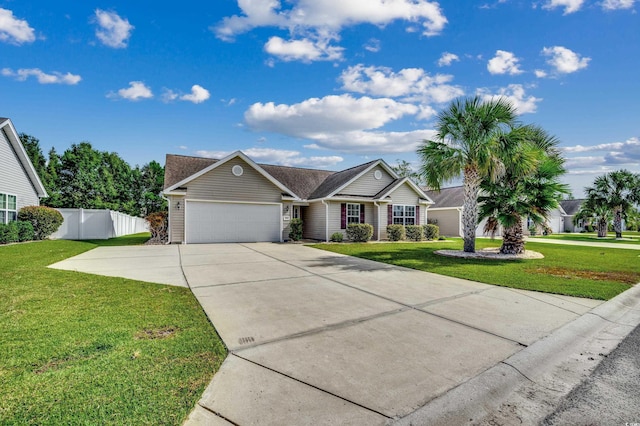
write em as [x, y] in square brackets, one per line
[20, 185]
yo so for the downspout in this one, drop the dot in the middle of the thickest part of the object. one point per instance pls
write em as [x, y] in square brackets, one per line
[375, 203]
[326, 220]
[460, 222]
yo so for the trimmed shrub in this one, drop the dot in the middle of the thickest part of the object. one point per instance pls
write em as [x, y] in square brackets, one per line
[442, 238]
[431, 232]
[295, 229]
[432, 221]
[158, 226]
[25, 231]
[9, 233]
[414, 232]
[45, 220]
[359, 232]
[395, 232]
[336, 237]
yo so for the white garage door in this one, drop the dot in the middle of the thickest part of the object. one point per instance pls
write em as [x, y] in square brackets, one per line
[231, 223]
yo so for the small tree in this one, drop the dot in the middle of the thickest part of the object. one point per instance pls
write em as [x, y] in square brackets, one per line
[295, 229]
[158, 226]
[45, 220]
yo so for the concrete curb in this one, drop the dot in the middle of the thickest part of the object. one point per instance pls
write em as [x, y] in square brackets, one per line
[526, 387]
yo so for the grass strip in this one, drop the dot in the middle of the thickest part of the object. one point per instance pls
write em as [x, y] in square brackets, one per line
[591, 272]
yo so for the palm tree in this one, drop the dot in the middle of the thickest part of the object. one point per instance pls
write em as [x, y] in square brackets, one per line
[529, 187]
[617, 190]
[467, 143]
[595, 212]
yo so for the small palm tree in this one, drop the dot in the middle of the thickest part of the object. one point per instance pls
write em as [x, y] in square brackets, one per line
[617, 190]
[467, 143]
[529, 187]
[594, 212]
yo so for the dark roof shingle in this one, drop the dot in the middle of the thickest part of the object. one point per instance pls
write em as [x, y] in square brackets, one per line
[179, 167]
[571, 207]
[338, 179]
[301, 181]
[447, 197]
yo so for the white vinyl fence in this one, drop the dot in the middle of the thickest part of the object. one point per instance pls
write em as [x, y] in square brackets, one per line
[92, 224]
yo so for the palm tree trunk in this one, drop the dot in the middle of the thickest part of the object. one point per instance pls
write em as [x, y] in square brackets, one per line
[513, 239]
[617, 221]
[471, 182]
[602, 228]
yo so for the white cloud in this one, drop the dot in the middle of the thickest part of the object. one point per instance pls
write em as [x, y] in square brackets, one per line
[613, 153]
[342, 123]
[540, 73]
[565, 61]
[113, 30]
[570, 6]
[280, 157]
[198, 95]
[43, 78]
[516, 94]
[447, 59]
[136, 91]
[412, 84]
[504, 63]
[373, 45]
[14, 30]
[314, 24]
[305, 50]
[617, 4]
[330, 14]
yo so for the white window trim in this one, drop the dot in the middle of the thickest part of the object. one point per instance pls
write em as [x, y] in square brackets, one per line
[6, 210]
[404, 216]
[352, 215]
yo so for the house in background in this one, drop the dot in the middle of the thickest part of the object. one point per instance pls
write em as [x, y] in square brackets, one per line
[20, 185]
[447, 211]
[236, 200]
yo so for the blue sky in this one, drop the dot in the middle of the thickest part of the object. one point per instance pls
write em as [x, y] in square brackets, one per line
[318, 83]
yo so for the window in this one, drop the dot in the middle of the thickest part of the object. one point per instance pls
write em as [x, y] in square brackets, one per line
[8, 208]
[353, 213]
[404, 215]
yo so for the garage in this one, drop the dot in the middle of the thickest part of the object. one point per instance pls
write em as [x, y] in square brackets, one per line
[212, 222]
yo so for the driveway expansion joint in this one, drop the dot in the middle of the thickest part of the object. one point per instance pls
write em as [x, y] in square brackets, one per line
[215, 413]
[313, 386]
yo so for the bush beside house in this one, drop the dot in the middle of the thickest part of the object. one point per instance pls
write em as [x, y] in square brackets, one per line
[396, 232]
[431, 231]
[414, 232]
[359, 232]
[44, 220]
[295, 229]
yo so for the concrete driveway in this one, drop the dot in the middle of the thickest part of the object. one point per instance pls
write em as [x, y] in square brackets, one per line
[321, 338]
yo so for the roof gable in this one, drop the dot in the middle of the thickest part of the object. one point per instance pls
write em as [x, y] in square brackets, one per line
[219, 163]
[571, 207]
[397, 183]
[6, 126]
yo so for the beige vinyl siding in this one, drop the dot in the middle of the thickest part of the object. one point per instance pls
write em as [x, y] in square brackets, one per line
[448, 221]
[14, 179]
[176, 219]
[405, 195]
[221, 184]
[335, 217]
[313, 217]
[367, 184]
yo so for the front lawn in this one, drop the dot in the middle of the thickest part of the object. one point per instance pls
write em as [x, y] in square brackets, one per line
[628, 237]
[84, 349]
[571, 270]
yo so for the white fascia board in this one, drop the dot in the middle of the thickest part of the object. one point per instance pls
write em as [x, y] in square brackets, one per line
[14, 140]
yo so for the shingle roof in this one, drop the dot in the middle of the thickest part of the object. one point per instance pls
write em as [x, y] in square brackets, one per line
[338, 179]
[571, 207]
[180, 167]
[447, 197]
[301, 181]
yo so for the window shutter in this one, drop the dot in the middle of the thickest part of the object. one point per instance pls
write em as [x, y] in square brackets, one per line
[390, 214]
[417, 215]
[343, 216]
[362, 213]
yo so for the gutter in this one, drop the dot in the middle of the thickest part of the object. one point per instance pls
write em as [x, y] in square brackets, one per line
[326, 220]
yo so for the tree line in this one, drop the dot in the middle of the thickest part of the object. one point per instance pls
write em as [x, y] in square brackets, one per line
[84, 177]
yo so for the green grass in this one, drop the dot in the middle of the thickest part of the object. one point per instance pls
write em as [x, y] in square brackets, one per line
[127, 240]
[571, 270]
[85, 349]
[591, 237]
